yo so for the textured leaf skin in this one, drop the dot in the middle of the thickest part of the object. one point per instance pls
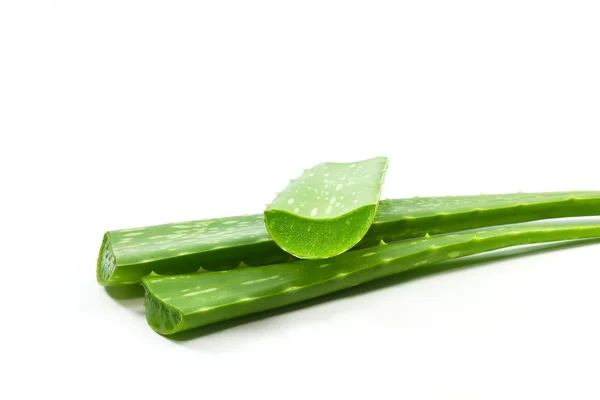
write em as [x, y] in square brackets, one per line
[328, 209]
[409, 218]
[182, 302]
[222, 243]
[214, 244]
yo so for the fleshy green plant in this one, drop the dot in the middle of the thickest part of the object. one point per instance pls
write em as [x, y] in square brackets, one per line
[182, 302]
[224, 243]
[328, 209]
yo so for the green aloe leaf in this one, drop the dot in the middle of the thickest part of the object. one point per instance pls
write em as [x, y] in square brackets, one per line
[182, 302]
[223, 243]
[328, 209]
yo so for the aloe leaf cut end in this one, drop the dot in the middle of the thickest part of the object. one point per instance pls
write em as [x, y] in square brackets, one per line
[328, 209]
[161, 316]
[106, 264]
[182, 302]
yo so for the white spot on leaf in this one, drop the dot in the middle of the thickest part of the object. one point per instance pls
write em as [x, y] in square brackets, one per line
[199, 292]
[134, 234]
[260, 280]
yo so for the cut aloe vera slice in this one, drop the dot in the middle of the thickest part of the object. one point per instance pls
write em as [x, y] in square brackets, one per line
[222, 243]
[328, 209]
[182, 302]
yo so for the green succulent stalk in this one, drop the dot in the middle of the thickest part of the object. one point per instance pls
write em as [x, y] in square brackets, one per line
[225, 243]
[328, 209]
[177, 303]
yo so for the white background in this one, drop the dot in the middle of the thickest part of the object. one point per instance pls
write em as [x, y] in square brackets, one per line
[121, 114]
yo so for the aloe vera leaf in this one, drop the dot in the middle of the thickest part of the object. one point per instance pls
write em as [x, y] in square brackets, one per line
[328, 209]
[222, 243]
[409, 218]
[182, 302]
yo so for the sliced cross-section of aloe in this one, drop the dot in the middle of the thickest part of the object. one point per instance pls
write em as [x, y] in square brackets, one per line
[182, 302]
[222, 243]
[328, 209]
